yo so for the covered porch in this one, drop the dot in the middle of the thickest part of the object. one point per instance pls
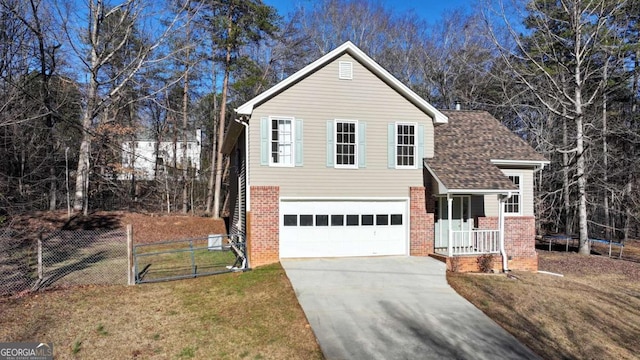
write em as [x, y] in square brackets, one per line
[468, 194]
[457, 231]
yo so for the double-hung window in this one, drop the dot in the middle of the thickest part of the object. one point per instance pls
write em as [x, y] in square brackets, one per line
[406, 145]
[346, 144]
[513, 205]
[281, 141]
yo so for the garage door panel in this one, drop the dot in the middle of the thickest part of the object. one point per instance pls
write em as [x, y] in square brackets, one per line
[367, 228]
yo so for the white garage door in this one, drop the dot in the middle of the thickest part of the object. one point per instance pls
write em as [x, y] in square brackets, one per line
[343, 228]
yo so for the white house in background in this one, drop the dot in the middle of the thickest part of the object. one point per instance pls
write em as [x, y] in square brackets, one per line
[145, 157]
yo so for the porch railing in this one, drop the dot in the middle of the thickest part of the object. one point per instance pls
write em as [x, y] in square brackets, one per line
[472, 242]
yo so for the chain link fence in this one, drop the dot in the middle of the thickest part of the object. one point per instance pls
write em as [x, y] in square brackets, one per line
[32, 261]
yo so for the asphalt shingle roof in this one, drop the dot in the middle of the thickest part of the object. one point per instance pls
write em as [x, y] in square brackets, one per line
[465, 147]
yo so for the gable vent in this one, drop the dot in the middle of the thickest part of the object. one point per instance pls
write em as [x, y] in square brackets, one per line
[345, 71]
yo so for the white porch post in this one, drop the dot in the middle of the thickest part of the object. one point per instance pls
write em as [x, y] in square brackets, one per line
[501, 200]
[449, 224]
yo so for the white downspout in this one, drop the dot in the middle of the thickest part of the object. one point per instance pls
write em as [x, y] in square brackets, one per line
[449, 224]
[503, 252]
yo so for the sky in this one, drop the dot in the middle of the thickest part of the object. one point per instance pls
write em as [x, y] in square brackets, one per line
[429, 10]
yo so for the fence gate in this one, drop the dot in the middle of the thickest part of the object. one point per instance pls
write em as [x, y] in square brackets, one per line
[187, 258]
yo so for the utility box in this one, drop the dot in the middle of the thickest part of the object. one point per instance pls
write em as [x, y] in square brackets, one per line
[214, 242]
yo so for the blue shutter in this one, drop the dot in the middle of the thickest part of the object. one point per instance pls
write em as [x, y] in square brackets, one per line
[298, 144]
[420, 146]
[362, 144]
[264, 141]
[391, 146]
[330, 143]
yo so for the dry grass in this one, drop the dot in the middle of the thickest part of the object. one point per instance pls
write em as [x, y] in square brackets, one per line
[593, 312]
[252, 315]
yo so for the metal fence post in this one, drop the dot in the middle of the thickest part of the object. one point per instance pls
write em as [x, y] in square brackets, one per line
[131, 280]
[40, 267]
[193, 260]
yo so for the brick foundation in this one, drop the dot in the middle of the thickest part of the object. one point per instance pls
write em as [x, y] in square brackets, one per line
[263, 244]
[471, 264]
[421, 232]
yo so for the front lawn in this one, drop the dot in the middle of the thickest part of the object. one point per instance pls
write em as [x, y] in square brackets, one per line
[251, 315]
[593, 312]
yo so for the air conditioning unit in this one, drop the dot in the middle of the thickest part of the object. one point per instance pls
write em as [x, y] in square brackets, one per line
[214, 242]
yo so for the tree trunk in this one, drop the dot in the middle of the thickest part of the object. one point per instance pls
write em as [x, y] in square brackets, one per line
[605, 157]
[566, 189]
[221, 122]
[82, 171]
[585, 248]
[213, 137]
[53, 189]
[627, 222]
[212, 176]
[185, 119]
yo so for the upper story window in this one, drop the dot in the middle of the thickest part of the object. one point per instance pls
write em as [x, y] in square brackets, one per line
[513, 205]
[281, 141]
[406, 145]
[346, 144]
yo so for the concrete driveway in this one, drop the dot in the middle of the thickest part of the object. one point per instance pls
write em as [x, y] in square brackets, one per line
[394, 308]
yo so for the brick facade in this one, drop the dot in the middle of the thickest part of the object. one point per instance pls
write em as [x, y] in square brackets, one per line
[263, 223]
[421, 232]
[519, 240]
[264, 220]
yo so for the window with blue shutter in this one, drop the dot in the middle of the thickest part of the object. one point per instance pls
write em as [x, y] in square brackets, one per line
[281, 141]
[362, 145]
[330, 160]
[298, 143]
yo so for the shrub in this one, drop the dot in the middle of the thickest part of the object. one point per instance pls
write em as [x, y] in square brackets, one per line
[485, 263]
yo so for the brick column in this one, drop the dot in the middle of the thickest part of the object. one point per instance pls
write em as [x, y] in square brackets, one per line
[421, 236]
[519, 240]
[264, 239]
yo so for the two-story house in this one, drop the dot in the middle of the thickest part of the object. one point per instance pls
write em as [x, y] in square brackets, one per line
[342, 159]
[146, 157]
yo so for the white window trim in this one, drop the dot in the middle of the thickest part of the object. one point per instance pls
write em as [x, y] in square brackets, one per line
[519, 174]
[293, 141]
[335, 144]
[415, 145]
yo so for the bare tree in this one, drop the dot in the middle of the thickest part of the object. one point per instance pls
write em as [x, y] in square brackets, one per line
[557, 63]
[109, 31]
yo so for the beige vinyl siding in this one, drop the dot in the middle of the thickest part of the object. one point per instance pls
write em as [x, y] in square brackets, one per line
[491, 201]
[321, 97]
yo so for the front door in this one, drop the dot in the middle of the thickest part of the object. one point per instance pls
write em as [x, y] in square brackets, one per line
[460, 218]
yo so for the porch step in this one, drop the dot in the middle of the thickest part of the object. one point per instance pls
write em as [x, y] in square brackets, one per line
[439, 257]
